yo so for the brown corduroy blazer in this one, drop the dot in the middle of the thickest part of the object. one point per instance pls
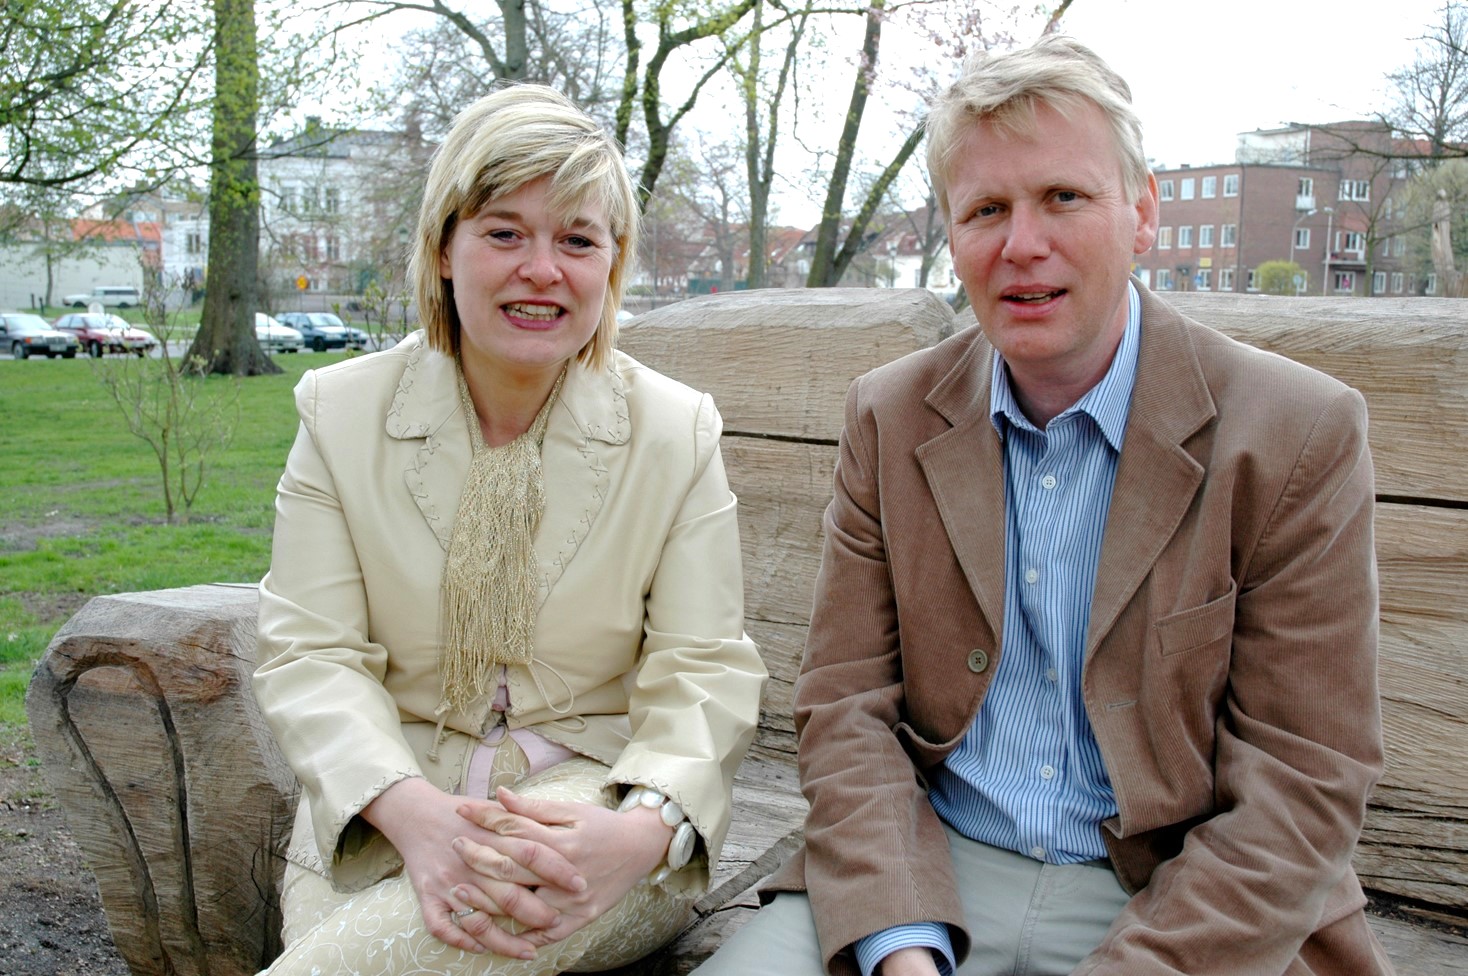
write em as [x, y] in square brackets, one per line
[1230, 665]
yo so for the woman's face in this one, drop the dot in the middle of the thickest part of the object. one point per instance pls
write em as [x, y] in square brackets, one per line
[529, 283]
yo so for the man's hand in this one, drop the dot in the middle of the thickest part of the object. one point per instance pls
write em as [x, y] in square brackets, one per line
[612, 851]
[912, 961]
[423, 823]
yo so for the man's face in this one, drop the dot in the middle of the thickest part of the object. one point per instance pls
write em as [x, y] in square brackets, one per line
[1042, 236]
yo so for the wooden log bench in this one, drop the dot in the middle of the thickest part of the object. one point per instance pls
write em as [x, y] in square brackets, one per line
[175, 791]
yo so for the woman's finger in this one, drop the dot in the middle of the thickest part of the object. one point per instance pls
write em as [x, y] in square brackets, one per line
[507, 901]
[520, 862]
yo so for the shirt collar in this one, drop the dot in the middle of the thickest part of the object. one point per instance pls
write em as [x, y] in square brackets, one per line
[1108, 403]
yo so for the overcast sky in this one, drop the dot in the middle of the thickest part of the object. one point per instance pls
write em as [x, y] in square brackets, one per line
[1203, 72]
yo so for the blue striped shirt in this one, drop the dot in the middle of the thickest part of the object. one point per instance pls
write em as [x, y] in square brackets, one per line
[1028, 775]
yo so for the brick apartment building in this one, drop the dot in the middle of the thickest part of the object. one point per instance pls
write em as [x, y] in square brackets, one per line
[1329, 198]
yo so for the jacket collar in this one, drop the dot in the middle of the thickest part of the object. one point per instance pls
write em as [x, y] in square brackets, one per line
[428, 395]
[1156, 478]
[589, 419]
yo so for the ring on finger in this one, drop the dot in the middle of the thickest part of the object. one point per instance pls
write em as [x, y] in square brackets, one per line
[464, 914]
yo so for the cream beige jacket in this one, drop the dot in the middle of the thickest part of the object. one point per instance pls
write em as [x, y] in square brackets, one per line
[640, 658]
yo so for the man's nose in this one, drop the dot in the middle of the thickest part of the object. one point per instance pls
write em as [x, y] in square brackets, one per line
[1027, 236]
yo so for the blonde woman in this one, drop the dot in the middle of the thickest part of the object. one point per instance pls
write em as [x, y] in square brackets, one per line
[502, 633]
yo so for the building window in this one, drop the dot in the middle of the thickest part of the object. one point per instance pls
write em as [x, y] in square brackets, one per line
[1378, 283]
[1204, 279]
[195, 243]
[1355, 190]
[288, 199]
[333, 249]
[1164, 279]
[1205, 235]
[1225, 277]
[1397, 282]
[1431, 288]
[1185, 236]
[1399, 246]
[1306, 187]
[1345, 282]
[1231, 185]
[1229, 235]
[1209, 188]
[1352, 241]
[1302, 237]
[1164, 238]
[1252, 283]
[1187, 189]
[1164, 190]
[333, 200]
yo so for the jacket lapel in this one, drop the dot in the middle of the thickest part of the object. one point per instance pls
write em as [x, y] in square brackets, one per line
[587, 423]
[1156, 478]
[426, 400]
[964, 466]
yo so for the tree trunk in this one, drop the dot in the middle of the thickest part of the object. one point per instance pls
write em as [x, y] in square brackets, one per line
[823, 271]
[225, 342]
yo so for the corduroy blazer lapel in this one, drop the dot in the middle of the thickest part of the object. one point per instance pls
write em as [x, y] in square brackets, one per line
[1156, 478]
[972, 508]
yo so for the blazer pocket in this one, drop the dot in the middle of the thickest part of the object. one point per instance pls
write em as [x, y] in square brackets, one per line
[1196, 627]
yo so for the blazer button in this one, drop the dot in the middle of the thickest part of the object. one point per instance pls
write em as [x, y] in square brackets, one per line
[978, 660]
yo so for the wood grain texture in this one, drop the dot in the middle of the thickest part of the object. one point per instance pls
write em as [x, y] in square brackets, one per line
[171, 784]
[1407, 356]
[778, 362]
[143, 716]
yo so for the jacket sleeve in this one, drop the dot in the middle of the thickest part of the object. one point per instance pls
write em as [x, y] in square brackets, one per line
[1298, 741]
[320, 680]
[694, 702]
[876, 854]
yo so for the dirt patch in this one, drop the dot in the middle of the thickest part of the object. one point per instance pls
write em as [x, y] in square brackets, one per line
[51, 921]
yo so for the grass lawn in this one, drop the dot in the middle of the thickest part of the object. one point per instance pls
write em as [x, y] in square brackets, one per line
[81, 509]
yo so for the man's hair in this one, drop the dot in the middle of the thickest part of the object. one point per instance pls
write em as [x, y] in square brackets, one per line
[498, 144]
[1006, 90]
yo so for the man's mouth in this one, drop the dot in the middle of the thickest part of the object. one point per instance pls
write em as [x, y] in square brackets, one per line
[1033, 297]
[541, 313]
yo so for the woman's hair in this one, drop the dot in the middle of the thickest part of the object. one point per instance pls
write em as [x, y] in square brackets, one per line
[498, 144]
[1005, 90]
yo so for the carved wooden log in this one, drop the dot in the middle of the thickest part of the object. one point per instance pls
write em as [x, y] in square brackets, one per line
[172, 786]
[142, 712]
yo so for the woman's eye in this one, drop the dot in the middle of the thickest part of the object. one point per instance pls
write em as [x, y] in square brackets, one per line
[578, 241]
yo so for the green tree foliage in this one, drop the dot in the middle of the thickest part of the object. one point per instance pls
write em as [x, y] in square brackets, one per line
[86, 84]
[1279, 277]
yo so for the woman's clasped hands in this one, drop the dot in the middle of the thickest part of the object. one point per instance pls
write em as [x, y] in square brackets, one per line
[608, 853]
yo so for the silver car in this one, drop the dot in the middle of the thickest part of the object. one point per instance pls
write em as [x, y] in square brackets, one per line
[274, 337]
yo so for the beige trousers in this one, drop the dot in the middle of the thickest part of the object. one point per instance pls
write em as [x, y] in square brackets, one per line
[380, 931]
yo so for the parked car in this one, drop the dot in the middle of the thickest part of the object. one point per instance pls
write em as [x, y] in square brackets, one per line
[275, 337]
[323, 330]
[28, 335]
[102, 332]
[108, 296]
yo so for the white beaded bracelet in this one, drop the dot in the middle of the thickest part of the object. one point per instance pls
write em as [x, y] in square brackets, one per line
[680, 848]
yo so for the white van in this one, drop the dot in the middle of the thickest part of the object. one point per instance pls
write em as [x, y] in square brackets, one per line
[108, 296]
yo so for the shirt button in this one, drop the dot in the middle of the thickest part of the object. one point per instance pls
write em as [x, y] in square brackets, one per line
[1032, 575]
[1047, 772]
[1052, 675]
[1038, 853]
[1048, 482]
[978, 660]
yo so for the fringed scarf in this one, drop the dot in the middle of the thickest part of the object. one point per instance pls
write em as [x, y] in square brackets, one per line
[489, 592]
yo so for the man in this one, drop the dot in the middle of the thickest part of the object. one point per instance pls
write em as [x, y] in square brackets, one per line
[1091, 678]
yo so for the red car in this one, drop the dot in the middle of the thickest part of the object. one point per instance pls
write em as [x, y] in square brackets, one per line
[100, 332]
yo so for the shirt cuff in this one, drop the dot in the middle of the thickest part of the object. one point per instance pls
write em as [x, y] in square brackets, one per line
[872, 949]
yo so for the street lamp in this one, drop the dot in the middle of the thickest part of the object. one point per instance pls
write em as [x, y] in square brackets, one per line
[1325, 272]
[1294, 237]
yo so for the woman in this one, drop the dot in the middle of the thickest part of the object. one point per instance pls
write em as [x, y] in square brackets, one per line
[505, 556]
